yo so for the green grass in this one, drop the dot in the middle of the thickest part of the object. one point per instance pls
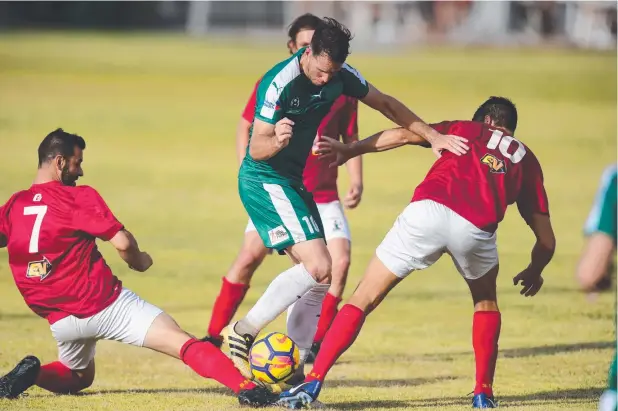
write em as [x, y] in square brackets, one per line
[159, 115]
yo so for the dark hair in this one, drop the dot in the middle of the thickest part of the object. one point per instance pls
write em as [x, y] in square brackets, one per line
[331, 38]
[500, 109]
[307, 21]
[59, 143]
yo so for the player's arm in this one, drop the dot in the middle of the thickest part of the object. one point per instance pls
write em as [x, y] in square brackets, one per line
[128, 249]
[244, 126]
[533, 206]
[398, 113]
[349, 135]
[595, 260]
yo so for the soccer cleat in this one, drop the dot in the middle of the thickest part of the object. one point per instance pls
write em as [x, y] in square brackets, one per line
[216, 341]
[300, 396]
[313, 353]
[284, 386]
[22, 377]
[257, 397]
[238, 347]
[483, 401]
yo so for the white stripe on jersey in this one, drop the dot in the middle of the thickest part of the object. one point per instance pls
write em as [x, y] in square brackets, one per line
[355, 72]
[282, 79]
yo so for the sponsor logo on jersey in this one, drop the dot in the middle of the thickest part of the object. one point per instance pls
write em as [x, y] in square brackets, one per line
[279, 89]
[317, 96]
[40, 269]
[278, 235]
[495, 165]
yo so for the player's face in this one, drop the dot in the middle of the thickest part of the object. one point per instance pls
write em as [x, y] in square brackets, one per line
[71, 168]
[320, 68]
[303, 39]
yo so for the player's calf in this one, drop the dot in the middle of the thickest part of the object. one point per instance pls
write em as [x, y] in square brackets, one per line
[56, 377]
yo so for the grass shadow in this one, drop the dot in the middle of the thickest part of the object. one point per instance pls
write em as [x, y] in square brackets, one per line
[398, 382]
[213, 390]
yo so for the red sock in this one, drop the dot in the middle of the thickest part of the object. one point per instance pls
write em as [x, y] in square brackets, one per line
[329, 311]
[209, 362]
[342, 333]
[226, 304]
[485, 334]
[58, 378]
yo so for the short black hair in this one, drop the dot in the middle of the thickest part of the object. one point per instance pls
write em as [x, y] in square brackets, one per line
[307, 21]
[59, 142]
[333, 39]
[500, 109]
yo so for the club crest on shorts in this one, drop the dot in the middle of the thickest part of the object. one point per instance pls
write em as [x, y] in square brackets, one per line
[40, 269]
[278, 235]
[495, 165]
[337, 225]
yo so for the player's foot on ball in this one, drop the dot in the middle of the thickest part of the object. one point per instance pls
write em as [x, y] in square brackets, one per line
[22, 377]
[300, 396]
[216, 341]
[284, 386]
[257, 397]
[315, 347]
[238, 347]
[482, 400]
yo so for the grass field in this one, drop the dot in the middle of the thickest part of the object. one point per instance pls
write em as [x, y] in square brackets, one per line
[159, 115]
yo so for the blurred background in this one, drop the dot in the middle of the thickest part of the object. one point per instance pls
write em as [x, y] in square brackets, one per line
[585, 24]
[157, 89]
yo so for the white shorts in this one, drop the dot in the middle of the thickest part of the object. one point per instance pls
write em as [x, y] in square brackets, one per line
[127, 320]
[425, 230]
[333, 219]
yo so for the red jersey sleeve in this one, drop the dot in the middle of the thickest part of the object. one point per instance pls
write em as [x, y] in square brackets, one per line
[93, 216]
[532, 197]
[349, 121]
[249, 111]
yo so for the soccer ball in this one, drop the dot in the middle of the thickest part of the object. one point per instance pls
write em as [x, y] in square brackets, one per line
[274, 358]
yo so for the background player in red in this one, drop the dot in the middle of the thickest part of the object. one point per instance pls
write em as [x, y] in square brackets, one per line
[50, 230]
[455, 210]
[321, 181]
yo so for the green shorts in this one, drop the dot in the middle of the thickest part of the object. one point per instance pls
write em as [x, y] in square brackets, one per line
[283, 215]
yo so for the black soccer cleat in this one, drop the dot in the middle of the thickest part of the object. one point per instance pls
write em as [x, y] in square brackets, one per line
[257, 397]
[22, 377]
[217, 342]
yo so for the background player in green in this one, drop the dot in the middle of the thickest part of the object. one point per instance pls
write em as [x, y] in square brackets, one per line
[292, 99]
[597, 260]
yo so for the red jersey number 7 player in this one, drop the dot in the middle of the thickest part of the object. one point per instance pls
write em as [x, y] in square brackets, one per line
[50, 230]
[455, 210]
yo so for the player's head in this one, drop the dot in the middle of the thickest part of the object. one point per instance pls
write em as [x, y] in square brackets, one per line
[499, 112]
[62, 154]
[301, 31]
[330, 46]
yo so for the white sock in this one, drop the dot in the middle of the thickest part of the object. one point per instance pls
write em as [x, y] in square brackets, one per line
[303, 317]
[283, 291]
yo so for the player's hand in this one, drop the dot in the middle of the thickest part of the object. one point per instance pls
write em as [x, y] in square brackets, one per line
[531, 281]
[283, 131]
[455, 144]
[144, 262]
[353, 197]
[332, 150]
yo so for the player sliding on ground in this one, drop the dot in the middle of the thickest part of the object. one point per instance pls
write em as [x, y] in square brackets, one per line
[50, 230]
[321, 181]
[292, 100]
[455, 210]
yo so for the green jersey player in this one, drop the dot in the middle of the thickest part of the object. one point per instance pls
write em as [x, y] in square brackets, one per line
[596, 263]
[292, 99]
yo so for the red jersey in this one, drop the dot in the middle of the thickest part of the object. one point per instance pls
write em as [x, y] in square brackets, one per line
[340, 122]
[57, 267]
[497, 171]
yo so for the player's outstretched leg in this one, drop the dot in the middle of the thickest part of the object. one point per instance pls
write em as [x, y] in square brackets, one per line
[372, 289]
[283, 291]
[339, 249]
[20, 378]
[235, 285]
[485, 334]
[165, 336]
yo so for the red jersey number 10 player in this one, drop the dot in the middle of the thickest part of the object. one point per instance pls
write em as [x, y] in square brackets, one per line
[50, 230]
[455, 210]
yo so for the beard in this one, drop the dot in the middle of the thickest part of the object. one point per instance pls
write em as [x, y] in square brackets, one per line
[67, 178]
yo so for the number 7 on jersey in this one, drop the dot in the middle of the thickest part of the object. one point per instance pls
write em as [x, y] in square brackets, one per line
[39, 211]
